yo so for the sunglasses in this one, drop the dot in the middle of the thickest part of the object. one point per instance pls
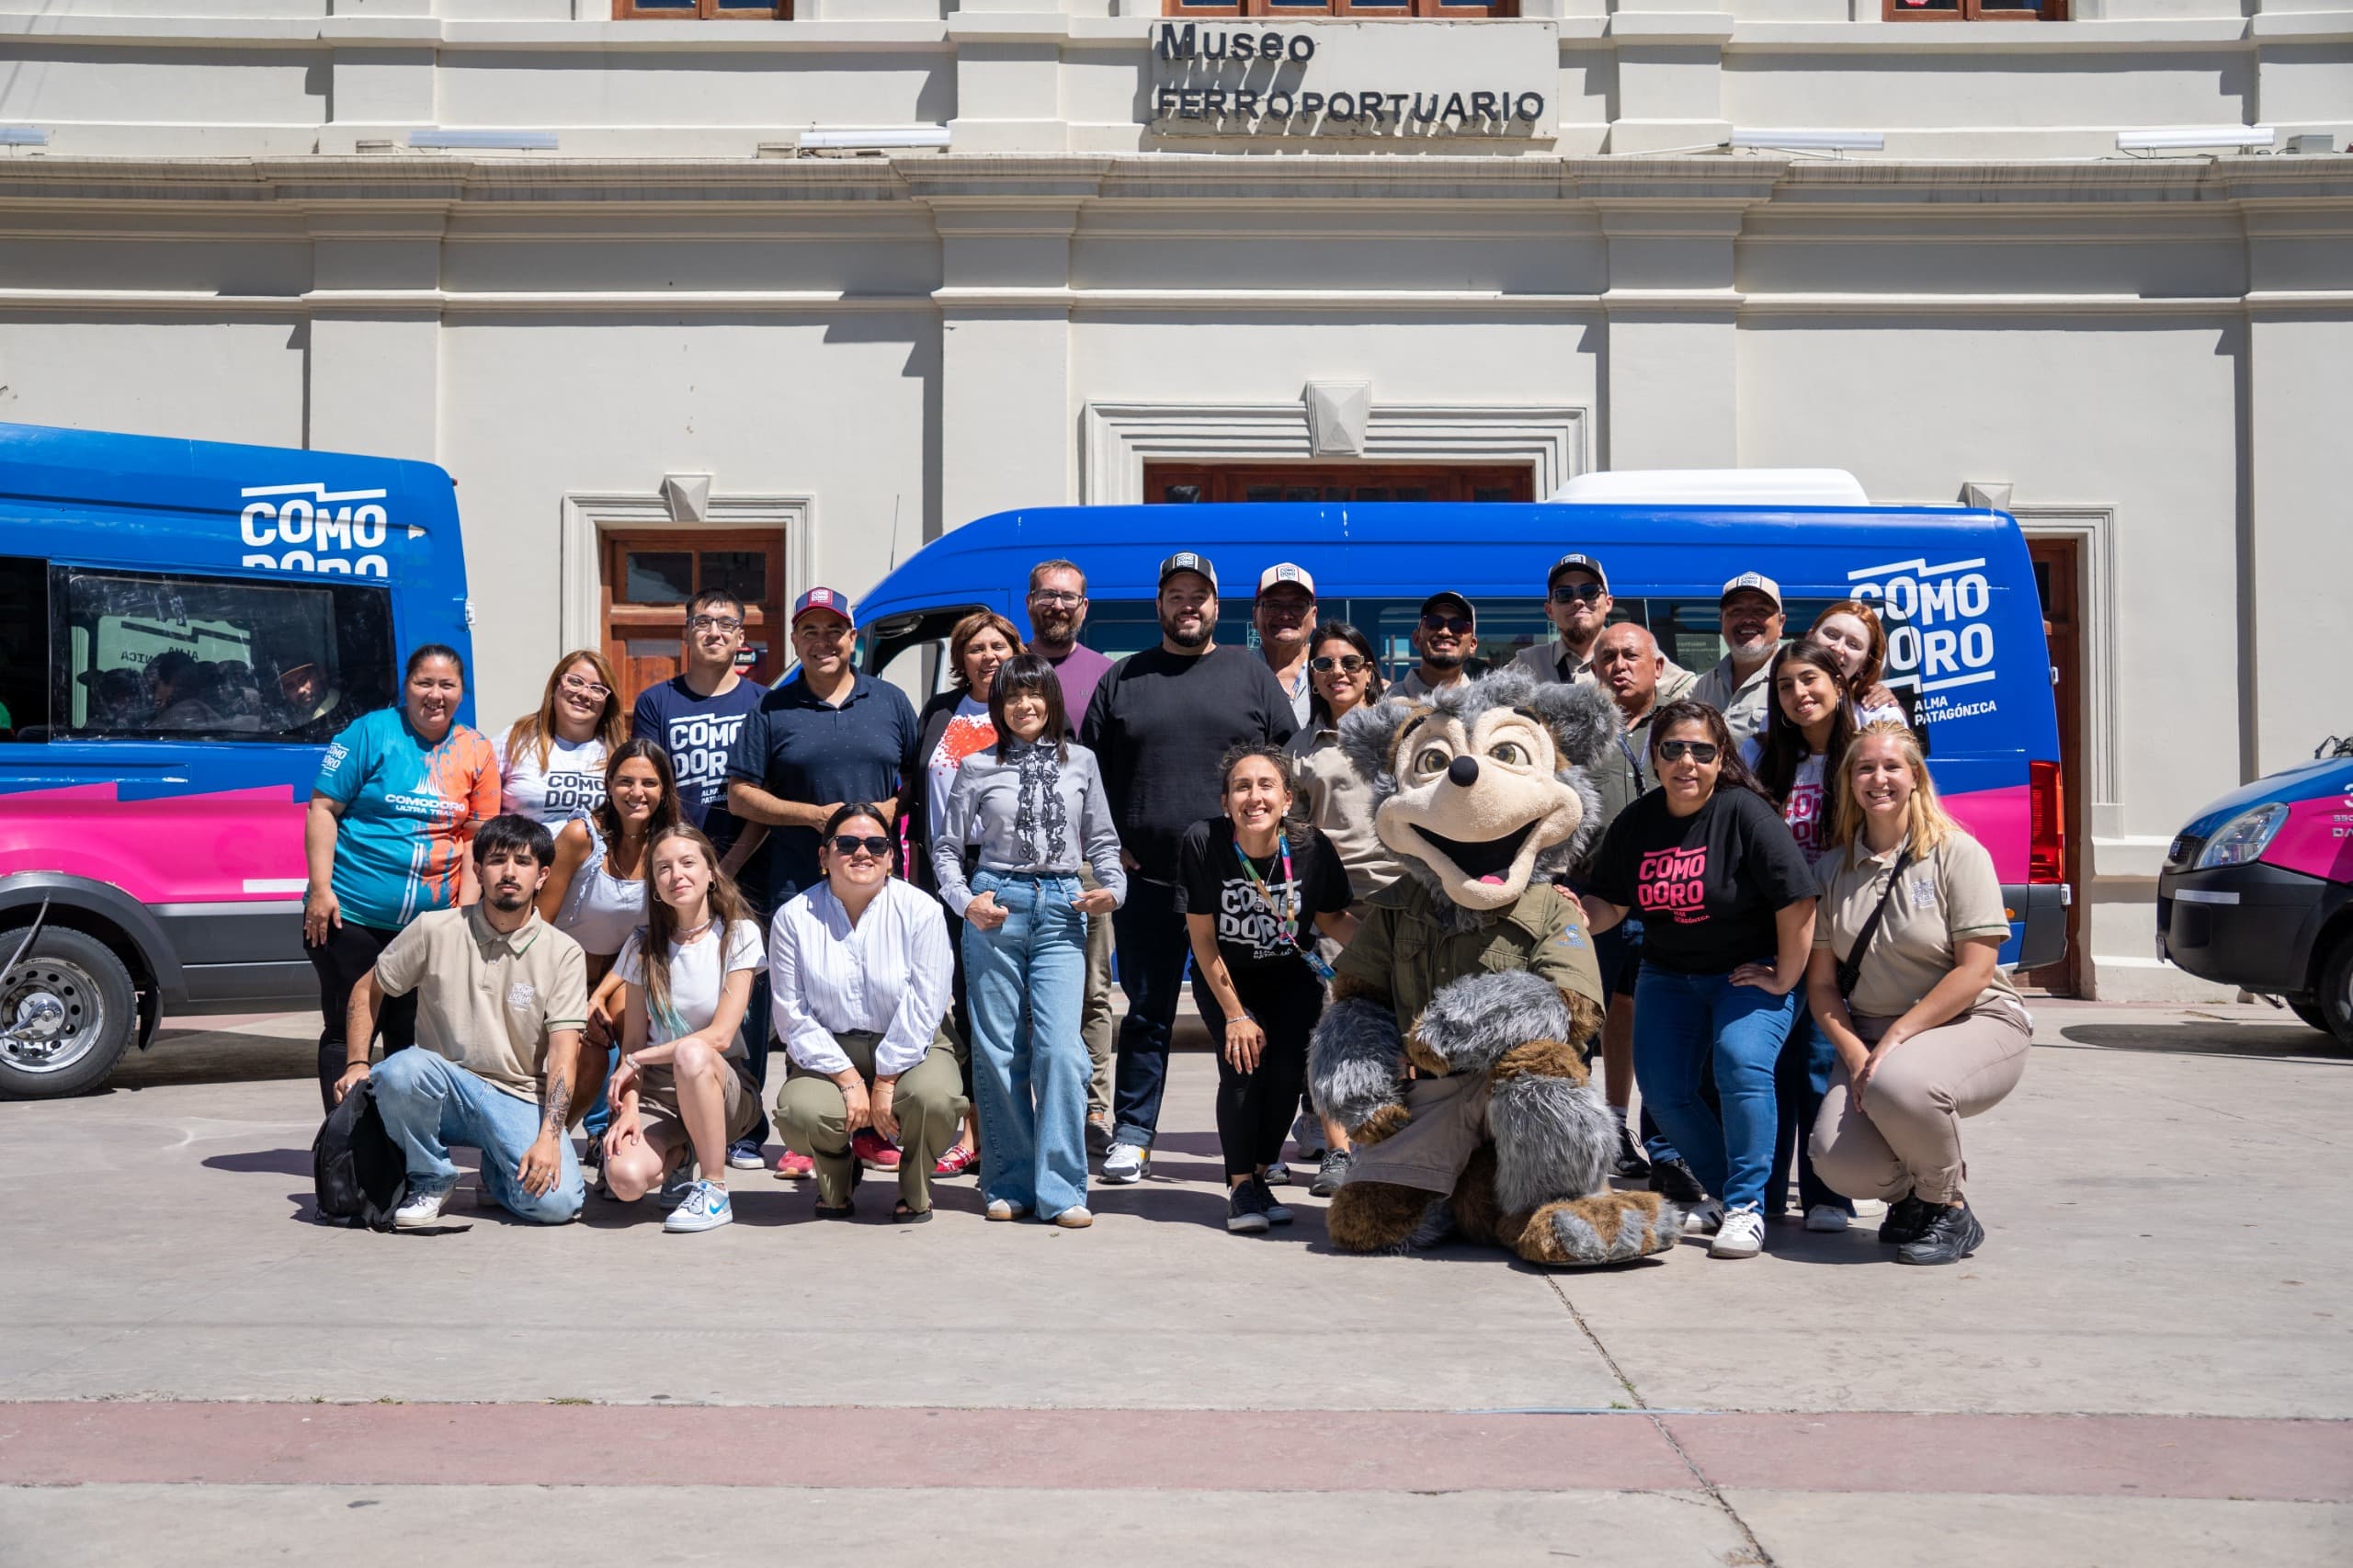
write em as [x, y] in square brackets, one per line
[1347, 663]
[1459, 624]
[1572, 593]
[847, 844]
[1699, 751]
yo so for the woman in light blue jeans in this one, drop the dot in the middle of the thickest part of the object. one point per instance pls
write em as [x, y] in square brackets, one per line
[1029, 811]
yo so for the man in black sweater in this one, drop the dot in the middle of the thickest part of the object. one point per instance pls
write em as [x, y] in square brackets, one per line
[1160, 722]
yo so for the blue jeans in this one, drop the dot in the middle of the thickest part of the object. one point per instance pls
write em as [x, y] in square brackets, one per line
[428, 1102]
[1153, 950]
[1025, 983]
[1800, 1079]
[1684, 1023]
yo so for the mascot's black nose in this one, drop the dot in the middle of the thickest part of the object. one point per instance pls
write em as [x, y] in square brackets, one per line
[1463, 771]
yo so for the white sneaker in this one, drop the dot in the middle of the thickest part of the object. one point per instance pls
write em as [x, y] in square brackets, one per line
[1127, 1163]
[422, 1211]
[1741, 1235]
[1277, 1174]
[1825, 1217]
[705, 1209]
[1308, 1134]
[1704, 1219]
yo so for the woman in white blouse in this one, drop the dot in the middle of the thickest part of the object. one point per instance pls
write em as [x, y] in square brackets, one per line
[860, 974]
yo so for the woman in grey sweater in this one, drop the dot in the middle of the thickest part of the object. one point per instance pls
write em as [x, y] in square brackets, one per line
[1028, 812]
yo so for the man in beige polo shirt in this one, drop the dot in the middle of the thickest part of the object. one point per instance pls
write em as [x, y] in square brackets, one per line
[502, 997]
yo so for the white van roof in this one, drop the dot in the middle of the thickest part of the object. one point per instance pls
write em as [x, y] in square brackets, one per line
[1718, 486]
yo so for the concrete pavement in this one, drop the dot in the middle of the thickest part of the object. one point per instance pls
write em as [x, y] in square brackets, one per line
[2156, 1196]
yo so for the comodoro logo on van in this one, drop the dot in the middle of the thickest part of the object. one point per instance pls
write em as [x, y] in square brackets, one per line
[326, 529]
[1937, 637]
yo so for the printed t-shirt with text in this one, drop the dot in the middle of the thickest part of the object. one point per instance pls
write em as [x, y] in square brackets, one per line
[1706, 887]
[1807, 806]
[699, 732]
[409, 808]
[1250, 937]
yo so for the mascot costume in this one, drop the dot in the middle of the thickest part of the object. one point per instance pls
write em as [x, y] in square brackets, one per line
[1452, 1051]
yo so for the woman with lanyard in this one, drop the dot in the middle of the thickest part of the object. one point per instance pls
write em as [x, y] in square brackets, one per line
[1727, 907]
[397, 800]
[1852, 631]
[551, 762]
[1337, 801]
[1809, 724]
[682, 1091]
[1904, 981]
[1254, 893]
[1029, 811]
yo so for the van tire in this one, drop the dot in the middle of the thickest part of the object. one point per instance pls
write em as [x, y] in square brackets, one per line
[68, 983]
[2332, 1004]
[2311, 1013]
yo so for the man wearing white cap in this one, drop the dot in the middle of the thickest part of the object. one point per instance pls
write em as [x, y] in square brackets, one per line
[1285, 618]
[1752, 631]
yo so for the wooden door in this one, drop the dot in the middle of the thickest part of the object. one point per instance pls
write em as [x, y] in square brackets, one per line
[2058, 580]
[1185, 482]
[649, 577]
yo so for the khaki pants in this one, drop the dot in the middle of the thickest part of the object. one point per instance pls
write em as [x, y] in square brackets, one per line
[1095, 1013]
[1905, 1137]
[813, 1116]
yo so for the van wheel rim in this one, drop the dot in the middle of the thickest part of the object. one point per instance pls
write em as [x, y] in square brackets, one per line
[50, 1016]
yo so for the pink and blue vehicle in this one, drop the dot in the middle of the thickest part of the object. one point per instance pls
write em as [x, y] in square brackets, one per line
[2258, 891]
[184, 625]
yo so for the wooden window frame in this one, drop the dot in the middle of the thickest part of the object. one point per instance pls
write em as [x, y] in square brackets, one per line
[1223, 483]
[1411, 10]
[703, 11]
[1973, 11]
[621, 620]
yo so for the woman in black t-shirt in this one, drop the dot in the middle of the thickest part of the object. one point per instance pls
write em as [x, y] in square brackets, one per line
[1726, 901]
[1254, 889]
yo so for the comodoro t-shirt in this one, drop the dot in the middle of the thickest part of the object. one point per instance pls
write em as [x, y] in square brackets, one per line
[1946, 896]
[1805, 808]
[409, 805]
[570, 780]
[698, 972]
[1706, 887]
[1210, 880]
[699, 732]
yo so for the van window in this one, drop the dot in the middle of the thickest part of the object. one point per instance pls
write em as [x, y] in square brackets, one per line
[169, 658]
[24, 648]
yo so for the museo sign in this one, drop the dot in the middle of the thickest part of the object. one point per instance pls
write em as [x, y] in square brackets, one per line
[1388, 79]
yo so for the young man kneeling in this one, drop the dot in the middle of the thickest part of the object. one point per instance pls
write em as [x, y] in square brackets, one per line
[502, 999]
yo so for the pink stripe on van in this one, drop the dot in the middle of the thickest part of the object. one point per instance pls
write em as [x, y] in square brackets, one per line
[2001, 820]
[196, 849]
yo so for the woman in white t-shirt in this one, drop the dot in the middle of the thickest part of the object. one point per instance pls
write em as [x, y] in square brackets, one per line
[551, 762]
[681, 1092]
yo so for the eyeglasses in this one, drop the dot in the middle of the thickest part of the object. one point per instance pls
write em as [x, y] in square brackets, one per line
[596, 690]
[1699, 751]
[1572, 593]
[713, 623]
[1055, 597]
[1459, 624]
[850, 844]
[1347, 663]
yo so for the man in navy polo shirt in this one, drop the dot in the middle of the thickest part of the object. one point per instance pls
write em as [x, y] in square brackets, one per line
[828, 735]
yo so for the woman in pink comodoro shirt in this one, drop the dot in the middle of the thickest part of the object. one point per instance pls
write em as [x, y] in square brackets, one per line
[1726, 900]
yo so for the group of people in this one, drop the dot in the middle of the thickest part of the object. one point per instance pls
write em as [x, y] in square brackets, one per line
[611, 920]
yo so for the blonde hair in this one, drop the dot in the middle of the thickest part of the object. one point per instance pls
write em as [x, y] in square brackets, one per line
[1930, 826]
[539, 729]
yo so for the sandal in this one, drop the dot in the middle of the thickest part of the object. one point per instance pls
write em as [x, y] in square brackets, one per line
[902, 1215]
[955, 1162]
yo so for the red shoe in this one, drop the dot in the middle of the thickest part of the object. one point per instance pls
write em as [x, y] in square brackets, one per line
[955, 1162]
[790, 1166]
[873, 1150]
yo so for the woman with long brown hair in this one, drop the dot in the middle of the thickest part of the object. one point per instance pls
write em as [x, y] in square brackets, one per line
[551, 762]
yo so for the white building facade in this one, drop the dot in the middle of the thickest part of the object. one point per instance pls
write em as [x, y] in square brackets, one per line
[582, 254]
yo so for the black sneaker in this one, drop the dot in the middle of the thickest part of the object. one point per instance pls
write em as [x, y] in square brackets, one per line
[1333, 1173]
[1246, 1211]
[1277, 1212]
[1631, 1164]
[1673, 1180]
[1951, 1234]
[1099, 1136]
[1906, 1218]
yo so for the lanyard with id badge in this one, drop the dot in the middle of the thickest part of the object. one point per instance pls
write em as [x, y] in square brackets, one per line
[1287, 914]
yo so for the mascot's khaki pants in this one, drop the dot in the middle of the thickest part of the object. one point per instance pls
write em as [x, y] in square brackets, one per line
[1449, 1122]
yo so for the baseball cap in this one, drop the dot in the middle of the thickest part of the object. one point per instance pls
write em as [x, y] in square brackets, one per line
[1449, 596]
[823, 598]
[1286, 571]
[1757, 580]
[1574, 561]
[1188, 561]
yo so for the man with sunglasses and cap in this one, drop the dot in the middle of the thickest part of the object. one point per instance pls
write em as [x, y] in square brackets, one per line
[1577, 603]
[1741, 684]
[1444, 639]
[1160, 723]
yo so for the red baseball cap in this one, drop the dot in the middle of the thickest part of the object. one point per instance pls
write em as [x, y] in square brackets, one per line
[822, 598]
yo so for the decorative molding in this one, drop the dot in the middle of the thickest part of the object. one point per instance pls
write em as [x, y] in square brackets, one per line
[1337, 412]
[2095, 528]
[1117, 439]
[587, 514]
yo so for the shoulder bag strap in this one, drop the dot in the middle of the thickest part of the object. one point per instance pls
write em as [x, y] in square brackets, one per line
[1850, 968]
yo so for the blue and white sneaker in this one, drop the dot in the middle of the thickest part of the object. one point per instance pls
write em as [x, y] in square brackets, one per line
[705, 1209]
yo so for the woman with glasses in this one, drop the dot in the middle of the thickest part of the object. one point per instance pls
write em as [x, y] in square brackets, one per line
[1028, 812]
[1726, 900]
[1337, 801]
[859, 970]
[551, 762]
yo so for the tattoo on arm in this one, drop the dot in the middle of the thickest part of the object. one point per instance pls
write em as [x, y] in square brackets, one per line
[556, 1104]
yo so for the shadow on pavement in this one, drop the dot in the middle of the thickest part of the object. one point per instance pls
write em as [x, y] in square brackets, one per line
[281, 1162]
[2252, 1042]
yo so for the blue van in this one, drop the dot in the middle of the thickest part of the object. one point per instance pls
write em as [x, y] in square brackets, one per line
[1958, 591]
[183, 627]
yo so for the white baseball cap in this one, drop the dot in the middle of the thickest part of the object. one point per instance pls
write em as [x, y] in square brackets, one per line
[1286, 571]
[1757, 580]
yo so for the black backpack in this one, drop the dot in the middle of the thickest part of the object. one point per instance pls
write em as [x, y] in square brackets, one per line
[361, 1175]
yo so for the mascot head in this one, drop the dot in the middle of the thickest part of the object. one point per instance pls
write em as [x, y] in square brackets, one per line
[1483, 787]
